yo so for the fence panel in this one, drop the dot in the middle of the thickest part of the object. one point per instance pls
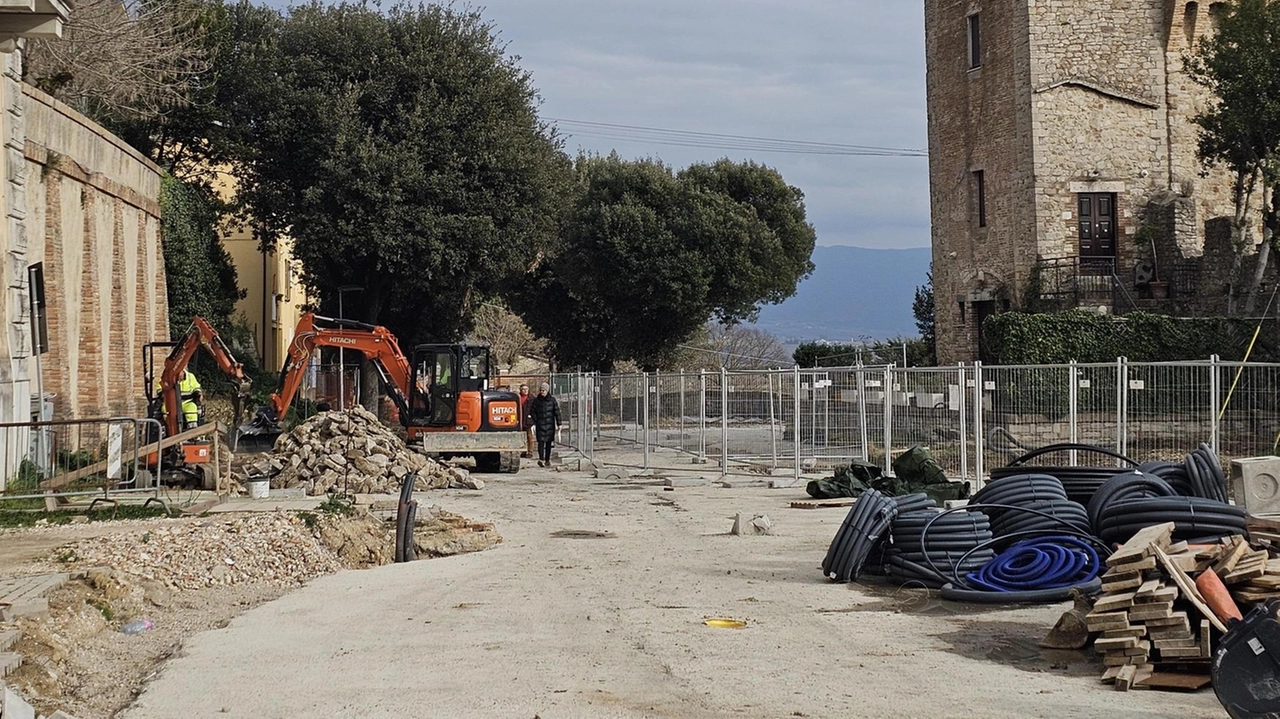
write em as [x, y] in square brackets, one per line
[928, 410]
[1250, 415]
[1024, 408]
[1168, 410]
[757, 415]
[88, 456]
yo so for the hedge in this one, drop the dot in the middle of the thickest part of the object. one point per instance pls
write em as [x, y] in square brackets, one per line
[1017, 338]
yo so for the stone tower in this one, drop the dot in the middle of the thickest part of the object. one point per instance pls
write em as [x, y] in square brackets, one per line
[1057, 129]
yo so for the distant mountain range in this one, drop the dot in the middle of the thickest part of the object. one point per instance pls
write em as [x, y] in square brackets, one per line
[854, 293]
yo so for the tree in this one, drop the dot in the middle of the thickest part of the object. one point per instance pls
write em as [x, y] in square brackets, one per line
[647, 257]
[1240, 64]
[121, 61]
[402, 153]
[922, 307]
[828, 354]
[200, 277]
[507, 336]
[735, 347]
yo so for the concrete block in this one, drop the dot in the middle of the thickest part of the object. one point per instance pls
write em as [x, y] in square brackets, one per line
[15, 707]
[60, 715]
[686, 482]
[740, 482]
[699, 460]
[785, 482]
[33, 607]
[754, 524]
[616, 474]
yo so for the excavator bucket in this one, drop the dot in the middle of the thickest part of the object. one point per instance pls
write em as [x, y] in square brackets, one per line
[255, 436]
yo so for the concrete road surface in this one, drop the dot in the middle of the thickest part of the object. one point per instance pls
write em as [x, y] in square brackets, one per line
[559, 623]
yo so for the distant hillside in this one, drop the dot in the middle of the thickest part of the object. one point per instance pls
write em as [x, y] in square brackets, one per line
[853, 292]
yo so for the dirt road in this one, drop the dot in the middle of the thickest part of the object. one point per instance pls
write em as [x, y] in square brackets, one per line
[593, 607]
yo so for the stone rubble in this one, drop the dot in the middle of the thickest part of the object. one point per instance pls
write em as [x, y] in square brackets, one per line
[352, 452]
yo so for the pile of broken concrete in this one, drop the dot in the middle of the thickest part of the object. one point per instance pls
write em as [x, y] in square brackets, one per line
[352, 452]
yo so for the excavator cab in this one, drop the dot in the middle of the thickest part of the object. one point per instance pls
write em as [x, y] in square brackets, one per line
[451, 394]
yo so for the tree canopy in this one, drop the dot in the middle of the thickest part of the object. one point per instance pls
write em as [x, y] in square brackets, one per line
[648, 255]
[414, 167]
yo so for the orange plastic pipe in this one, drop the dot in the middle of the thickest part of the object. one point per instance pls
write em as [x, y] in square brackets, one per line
[1216, 596]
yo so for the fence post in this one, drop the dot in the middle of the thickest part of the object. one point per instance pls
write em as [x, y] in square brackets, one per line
[1073, 406]
[888, 419]
[1215, 403]
[702, 416]
[862, 414]
[795, 389]
[724, 421]
[964, 438]
[1122, 405]
[979, 441]
[657, 408]
[773, 421]
[682, 411]
[644, 377]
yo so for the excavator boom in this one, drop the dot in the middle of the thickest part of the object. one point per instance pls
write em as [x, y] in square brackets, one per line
[314, 332]
[200, 335]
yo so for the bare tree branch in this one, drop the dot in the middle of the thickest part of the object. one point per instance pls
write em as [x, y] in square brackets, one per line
[122, 60]
[507, 336]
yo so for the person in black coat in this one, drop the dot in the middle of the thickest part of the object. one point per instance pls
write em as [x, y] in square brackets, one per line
[546, 417]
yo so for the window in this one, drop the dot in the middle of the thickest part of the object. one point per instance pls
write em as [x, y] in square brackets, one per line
[39, 314]
[1189, 17]
[975, 42]
[980, 196]
[1216, 11]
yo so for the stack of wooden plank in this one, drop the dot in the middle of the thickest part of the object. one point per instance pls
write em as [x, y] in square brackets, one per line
[1149, 613]
[1247, 567]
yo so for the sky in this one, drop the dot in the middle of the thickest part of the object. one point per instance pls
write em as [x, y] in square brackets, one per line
[833, 71]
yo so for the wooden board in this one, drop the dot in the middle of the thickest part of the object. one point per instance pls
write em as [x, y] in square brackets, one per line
[1113, 602]
[1179, 682]
[62, 480]
[1228, 562]
[1189, 590]
[1131, 567]
[824, 504]
[1150, 586]
[1141, 544]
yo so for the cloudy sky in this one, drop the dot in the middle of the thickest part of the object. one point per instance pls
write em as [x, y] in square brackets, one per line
[835, 71]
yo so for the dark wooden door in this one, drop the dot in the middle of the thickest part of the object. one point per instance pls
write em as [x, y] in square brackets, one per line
[1097, 224]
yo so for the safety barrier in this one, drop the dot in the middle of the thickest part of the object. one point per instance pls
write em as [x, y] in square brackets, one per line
[82, 457]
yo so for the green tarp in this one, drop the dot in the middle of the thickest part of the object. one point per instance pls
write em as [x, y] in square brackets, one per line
[913, 471]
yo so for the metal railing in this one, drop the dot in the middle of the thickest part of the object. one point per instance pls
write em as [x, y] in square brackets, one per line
[78, 458]
[971, 417]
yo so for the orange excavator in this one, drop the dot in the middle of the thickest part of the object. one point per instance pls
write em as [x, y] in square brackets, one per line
[441, 394]
[189, 460]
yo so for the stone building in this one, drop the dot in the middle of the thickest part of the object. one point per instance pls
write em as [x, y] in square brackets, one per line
[1062, 162]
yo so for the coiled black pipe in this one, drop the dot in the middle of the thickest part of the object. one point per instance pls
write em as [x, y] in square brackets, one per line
[868, 519]
[1193, 517]
[1124, 487]
[1079, 483]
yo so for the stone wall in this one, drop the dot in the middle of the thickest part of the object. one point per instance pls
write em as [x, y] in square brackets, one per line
[94, 221]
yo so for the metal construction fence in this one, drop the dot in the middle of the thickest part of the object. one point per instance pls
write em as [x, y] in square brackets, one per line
[77, 457]
[972, 417]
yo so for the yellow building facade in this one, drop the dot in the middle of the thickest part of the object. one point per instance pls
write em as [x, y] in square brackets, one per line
[275, 297]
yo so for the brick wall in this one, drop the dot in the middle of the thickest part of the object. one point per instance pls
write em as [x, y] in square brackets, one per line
[95, 225]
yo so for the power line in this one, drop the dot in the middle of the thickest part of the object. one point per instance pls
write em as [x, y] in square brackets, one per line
[726, 353]
[721, 141]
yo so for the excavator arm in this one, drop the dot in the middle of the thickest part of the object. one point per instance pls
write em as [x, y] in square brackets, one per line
[200, 335]
[314, 332]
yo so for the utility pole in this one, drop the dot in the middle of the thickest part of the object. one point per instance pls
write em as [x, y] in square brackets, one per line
[342, 354]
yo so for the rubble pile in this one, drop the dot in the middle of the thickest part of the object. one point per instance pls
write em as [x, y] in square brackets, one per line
[274, 548]
[352, 451]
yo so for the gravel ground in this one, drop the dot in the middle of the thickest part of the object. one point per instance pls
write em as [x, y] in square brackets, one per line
[593, 607]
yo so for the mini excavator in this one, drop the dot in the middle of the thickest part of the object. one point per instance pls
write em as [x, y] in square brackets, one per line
[189, 461]
[441, 394]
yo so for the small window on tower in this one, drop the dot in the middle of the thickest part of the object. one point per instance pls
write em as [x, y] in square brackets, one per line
[975, 42]
[980, 196]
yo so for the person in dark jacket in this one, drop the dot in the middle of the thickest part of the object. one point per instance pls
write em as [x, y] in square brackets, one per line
[546, 417]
